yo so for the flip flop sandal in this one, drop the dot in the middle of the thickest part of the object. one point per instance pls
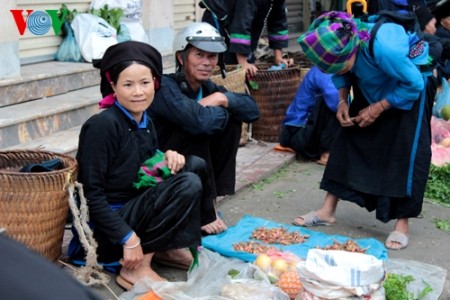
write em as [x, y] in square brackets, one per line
[397, 237]
[311, 219]
[123, 283]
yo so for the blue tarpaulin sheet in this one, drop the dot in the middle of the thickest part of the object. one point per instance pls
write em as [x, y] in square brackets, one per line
[241, 232]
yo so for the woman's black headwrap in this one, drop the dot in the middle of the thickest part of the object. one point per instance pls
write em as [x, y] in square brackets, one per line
[127, 51]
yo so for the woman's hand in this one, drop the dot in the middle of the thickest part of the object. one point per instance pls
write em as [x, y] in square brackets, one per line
[342, 114]
[175, 161]
[132, 253]
[368, 115]
[250, 69]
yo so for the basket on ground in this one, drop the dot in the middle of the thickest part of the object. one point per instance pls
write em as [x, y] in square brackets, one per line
[34, 206]
[276, 90]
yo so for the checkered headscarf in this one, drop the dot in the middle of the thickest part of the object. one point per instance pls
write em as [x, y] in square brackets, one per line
[332, 39]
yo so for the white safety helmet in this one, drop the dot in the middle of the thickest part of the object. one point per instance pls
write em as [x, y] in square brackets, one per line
[200, 35]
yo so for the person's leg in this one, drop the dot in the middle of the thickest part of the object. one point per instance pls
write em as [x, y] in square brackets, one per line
[325, 215]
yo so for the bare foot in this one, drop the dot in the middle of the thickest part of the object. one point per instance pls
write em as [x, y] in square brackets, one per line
[133, 276]
[324, 158]
[215, 227]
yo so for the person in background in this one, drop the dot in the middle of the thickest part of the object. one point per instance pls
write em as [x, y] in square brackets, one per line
[310, 124]
[442, 14]
[439, 48]
[242, 22]
[193, 115]
[381, 156]
[143, 203]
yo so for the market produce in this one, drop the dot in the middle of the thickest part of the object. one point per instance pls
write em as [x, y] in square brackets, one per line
[349, 245]
[445, 112]
[278, 235]
[279, 265]
[253, 247]
[264, 262]
[290, 283]
[396, 288]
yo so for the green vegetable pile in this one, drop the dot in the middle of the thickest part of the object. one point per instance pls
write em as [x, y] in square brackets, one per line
[437, 186]
[395, 287]
[112, 16]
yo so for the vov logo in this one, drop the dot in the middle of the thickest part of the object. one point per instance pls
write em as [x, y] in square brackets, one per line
[38, 22]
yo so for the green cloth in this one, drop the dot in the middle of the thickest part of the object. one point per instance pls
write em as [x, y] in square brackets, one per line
[153, 171]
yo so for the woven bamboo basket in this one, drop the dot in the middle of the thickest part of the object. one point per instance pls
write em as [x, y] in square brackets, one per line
[34, 206]
[275, 92]
[234, 81]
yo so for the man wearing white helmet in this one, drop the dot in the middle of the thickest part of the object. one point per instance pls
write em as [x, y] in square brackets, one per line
[194, 116]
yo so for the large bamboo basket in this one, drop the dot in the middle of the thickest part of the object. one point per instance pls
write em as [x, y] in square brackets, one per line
[34, 206]
[275, 92]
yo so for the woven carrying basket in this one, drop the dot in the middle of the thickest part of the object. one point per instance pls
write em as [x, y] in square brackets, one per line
[34, 206]
[275, 92]
[234, 81]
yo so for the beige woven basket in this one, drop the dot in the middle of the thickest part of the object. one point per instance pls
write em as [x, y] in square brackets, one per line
[34, 206]
[275, 92]
[234, 81]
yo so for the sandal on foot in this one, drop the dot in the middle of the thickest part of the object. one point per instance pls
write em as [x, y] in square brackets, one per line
[399, 238]
[123, 283]
[311, 219]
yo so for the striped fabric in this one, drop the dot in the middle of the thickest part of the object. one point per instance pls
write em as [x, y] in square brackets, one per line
[243, 39]
[279, 36]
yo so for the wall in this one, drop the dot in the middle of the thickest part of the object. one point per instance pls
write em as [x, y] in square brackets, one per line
[9, 42]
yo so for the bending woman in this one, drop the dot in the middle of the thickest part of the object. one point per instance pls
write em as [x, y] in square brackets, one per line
[381, 155]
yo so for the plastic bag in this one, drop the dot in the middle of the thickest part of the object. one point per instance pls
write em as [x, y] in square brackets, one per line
[338, 274]
[132, 17]
[124, 33]
[442, 99]
[93, 35]
[211, 281]
[69, 49]
[423, 274]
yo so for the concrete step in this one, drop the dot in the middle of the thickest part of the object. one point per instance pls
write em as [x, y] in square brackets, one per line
[47, 79]
[65, 142]
[35, 120]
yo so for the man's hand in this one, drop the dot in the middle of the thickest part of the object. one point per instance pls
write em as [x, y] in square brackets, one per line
[215, 99]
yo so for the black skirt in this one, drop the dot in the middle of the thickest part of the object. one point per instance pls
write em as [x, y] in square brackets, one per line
[384, 166]
[168, 216]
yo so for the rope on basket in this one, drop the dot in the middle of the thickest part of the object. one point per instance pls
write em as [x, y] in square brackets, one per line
[91, 273]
